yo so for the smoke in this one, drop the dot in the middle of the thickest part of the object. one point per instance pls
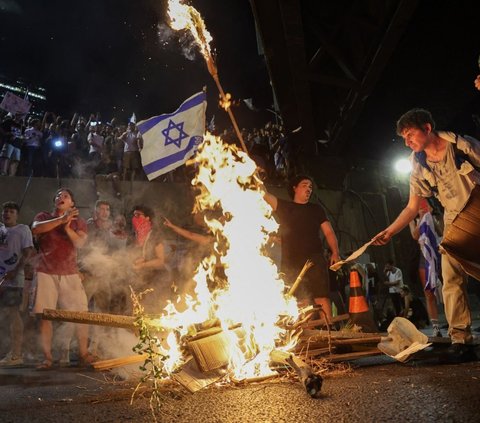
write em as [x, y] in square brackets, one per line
[167, 36]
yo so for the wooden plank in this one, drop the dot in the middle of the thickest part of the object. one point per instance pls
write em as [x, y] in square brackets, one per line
[353, 355]
[118, 362]
[311, 334]
[322, 322]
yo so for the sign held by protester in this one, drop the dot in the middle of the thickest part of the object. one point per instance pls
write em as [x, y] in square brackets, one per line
[169, 140]
[14, 104]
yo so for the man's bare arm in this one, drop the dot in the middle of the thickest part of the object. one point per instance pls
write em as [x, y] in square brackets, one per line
[403, 219]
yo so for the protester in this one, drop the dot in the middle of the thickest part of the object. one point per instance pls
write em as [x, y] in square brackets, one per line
[11, 150]
[16, 250]
[96, 141]
[133, 144]
[59, 236]
[423, 230]
[150, 264]
[413, 308]
[394, 281]
[300, 222]
[95, 253]
[33, 141]
[107, 172]
[444, 164]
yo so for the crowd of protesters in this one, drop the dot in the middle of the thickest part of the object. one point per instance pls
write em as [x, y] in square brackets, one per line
[83, 148]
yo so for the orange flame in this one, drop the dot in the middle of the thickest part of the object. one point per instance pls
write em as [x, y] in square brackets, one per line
[254, 292]
[184, 17]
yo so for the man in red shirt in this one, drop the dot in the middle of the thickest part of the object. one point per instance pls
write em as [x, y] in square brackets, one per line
[59, 235]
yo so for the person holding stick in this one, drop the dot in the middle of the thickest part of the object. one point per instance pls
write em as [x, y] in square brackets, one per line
[446, 165]
[300, 222]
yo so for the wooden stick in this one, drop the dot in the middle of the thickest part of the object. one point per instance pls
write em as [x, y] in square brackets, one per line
[118, 362]
[85, 317]
[321, 322]
[308, 264]
[353, 355]
[322, 334]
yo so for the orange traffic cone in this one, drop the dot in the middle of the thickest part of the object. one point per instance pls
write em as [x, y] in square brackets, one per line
[358, 308]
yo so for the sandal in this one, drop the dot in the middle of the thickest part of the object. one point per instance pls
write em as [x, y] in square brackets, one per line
[45, 365]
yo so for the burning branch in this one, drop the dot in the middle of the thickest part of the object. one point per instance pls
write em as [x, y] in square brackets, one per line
[183, 17]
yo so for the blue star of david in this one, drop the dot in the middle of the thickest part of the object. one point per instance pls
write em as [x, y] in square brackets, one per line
[181, 133]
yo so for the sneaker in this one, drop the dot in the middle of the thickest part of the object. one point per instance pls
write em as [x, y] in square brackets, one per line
[11, 360]
[437, 333]
[459, 353]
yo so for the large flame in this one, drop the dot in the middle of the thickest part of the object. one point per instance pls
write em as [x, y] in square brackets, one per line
[231, 195]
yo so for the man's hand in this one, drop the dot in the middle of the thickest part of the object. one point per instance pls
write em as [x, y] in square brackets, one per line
[138, 263]
[382, 238]
[477, 82]
[334, 258]
[69, 215]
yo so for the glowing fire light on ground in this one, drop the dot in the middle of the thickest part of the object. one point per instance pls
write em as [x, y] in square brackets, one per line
[253, 296]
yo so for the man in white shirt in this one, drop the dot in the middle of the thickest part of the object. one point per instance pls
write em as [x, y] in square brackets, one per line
[16, 248]
[394, 282]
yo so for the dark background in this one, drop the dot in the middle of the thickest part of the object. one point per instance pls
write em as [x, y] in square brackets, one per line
[107, 56]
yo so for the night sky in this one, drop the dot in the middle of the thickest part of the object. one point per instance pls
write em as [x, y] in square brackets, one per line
[108, 56]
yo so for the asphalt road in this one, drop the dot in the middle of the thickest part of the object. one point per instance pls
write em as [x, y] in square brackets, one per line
[374, 389]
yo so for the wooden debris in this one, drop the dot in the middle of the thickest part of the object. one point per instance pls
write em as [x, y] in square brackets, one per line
[211, 352]
[118, 362]
[88, 318]
[191, 378]
[353, 355]
[337, 345]
[323, 322]
[308, 264]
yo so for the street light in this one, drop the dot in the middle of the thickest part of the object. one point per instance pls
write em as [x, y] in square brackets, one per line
[403, 166]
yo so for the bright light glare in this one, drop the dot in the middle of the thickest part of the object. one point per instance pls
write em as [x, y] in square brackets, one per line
[403, 166]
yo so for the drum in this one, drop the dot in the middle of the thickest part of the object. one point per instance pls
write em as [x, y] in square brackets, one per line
[462, 238]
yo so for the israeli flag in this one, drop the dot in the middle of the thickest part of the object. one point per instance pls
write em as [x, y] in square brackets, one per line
[170, 140]
[429, 242]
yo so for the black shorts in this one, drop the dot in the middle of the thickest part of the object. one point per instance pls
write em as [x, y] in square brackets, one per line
[11, 296]
[315, 283]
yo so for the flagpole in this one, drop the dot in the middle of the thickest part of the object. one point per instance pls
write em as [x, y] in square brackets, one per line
[212, 69]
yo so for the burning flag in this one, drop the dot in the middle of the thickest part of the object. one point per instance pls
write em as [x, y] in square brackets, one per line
[169, 140]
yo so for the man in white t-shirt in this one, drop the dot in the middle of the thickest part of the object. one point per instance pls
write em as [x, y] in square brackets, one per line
[16, 248]
[394, 282]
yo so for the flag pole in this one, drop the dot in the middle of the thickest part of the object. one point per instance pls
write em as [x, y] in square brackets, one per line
[212, 69]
